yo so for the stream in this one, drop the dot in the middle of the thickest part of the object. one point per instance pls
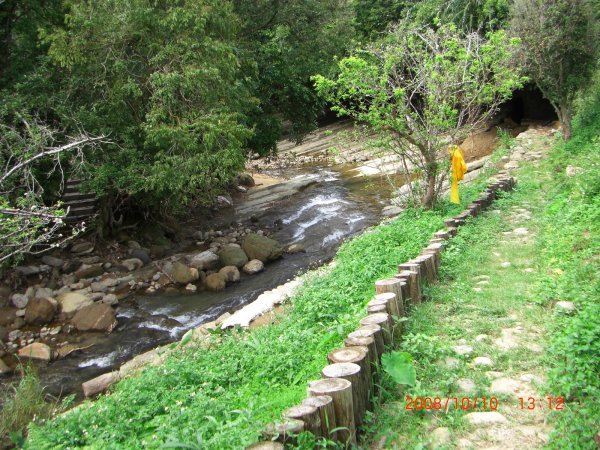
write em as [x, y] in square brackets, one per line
[338, 206]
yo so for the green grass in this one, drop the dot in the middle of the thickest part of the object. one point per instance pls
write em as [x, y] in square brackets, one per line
[21, 404]
[222, 396]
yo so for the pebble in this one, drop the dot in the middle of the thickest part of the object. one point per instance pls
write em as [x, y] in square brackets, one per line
[476, 289]
[504, 386]
[451, 363]
[505, 264]
[483, 282]
[465, 385]
[481, 337]
[483, 361]
[484, 419]
[521, 231]
[462, 349]
[565, 306]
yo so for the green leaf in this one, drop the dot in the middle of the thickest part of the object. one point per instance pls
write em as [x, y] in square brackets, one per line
[399, 366]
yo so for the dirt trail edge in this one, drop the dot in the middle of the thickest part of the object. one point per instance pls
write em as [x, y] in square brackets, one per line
[479, 341]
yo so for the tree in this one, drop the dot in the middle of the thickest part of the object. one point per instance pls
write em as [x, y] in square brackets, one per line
[560, 49]
[29, 158]
[423, 89]
[163, 80]
[286, 42]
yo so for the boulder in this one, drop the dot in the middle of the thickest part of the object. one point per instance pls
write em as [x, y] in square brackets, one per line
[97, 286]
[110, 299]
[37, 350]
[71, 302]
[82, 248]
[44, 293]
[96, 317]
[215, 282]
[223, 201]
[132, 264]
[99, 384]
[20, 300]
[89, 272]
[253, 267]
[262, 248]
[140, 254]
[296, 248]
[52, 261]
[39, 311]
[245, 179]
[181, 273]
[71, 265]
[233, 256]
[206, 260]
[230, 273]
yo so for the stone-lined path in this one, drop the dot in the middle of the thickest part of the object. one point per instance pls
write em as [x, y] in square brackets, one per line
[492, 332]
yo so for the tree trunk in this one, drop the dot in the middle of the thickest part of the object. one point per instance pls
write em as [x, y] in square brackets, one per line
[307, 414]
[324, 405]
[340, 390]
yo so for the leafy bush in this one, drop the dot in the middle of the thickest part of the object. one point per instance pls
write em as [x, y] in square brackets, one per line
[569, 245]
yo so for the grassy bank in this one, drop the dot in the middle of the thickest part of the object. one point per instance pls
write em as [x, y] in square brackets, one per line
[223, 395]
[497, 293]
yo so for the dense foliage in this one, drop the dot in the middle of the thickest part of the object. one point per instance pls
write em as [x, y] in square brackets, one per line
[569, 249]
[424, 88]
[560, 48]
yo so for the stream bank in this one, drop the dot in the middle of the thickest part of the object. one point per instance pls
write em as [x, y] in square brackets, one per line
[318, 202]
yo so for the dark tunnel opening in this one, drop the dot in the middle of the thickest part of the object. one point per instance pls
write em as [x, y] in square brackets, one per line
[528, 105]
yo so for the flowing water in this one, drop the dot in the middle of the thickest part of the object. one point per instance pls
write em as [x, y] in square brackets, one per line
[320, 217]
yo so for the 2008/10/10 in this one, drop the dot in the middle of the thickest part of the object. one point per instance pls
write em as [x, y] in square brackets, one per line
[439, 404]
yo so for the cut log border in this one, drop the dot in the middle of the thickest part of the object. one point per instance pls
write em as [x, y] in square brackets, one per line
[342, 398]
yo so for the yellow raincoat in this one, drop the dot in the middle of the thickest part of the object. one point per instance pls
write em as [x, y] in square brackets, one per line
[459, 168]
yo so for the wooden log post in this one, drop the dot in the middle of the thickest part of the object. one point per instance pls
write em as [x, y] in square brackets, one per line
[436, 251]
[284, 431]
[373, 331]
[351, 372]
[359, 356]
[427, 267]
[449, 223]
[410, 274]
[369, 342]
[324, 406]
[266, 445]
[377, 308]
[307, 414]
[384, 321]
[442, 234]
[382, 300]
[392, 285]
[340, 391]
[452, 231]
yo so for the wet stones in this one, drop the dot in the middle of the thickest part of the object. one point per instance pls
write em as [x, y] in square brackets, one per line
[206, 260]
[230, 273]
[253, 267]
[71, 302]
[39, 311]
[96, 317]
[36, 350]
[233, 256]
[215, 282]
[181, 273]
[261, 248]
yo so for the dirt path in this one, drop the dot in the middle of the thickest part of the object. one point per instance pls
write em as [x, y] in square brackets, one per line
[482, 336]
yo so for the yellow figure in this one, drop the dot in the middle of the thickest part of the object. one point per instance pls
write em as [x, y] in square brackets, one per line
[459, 168]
